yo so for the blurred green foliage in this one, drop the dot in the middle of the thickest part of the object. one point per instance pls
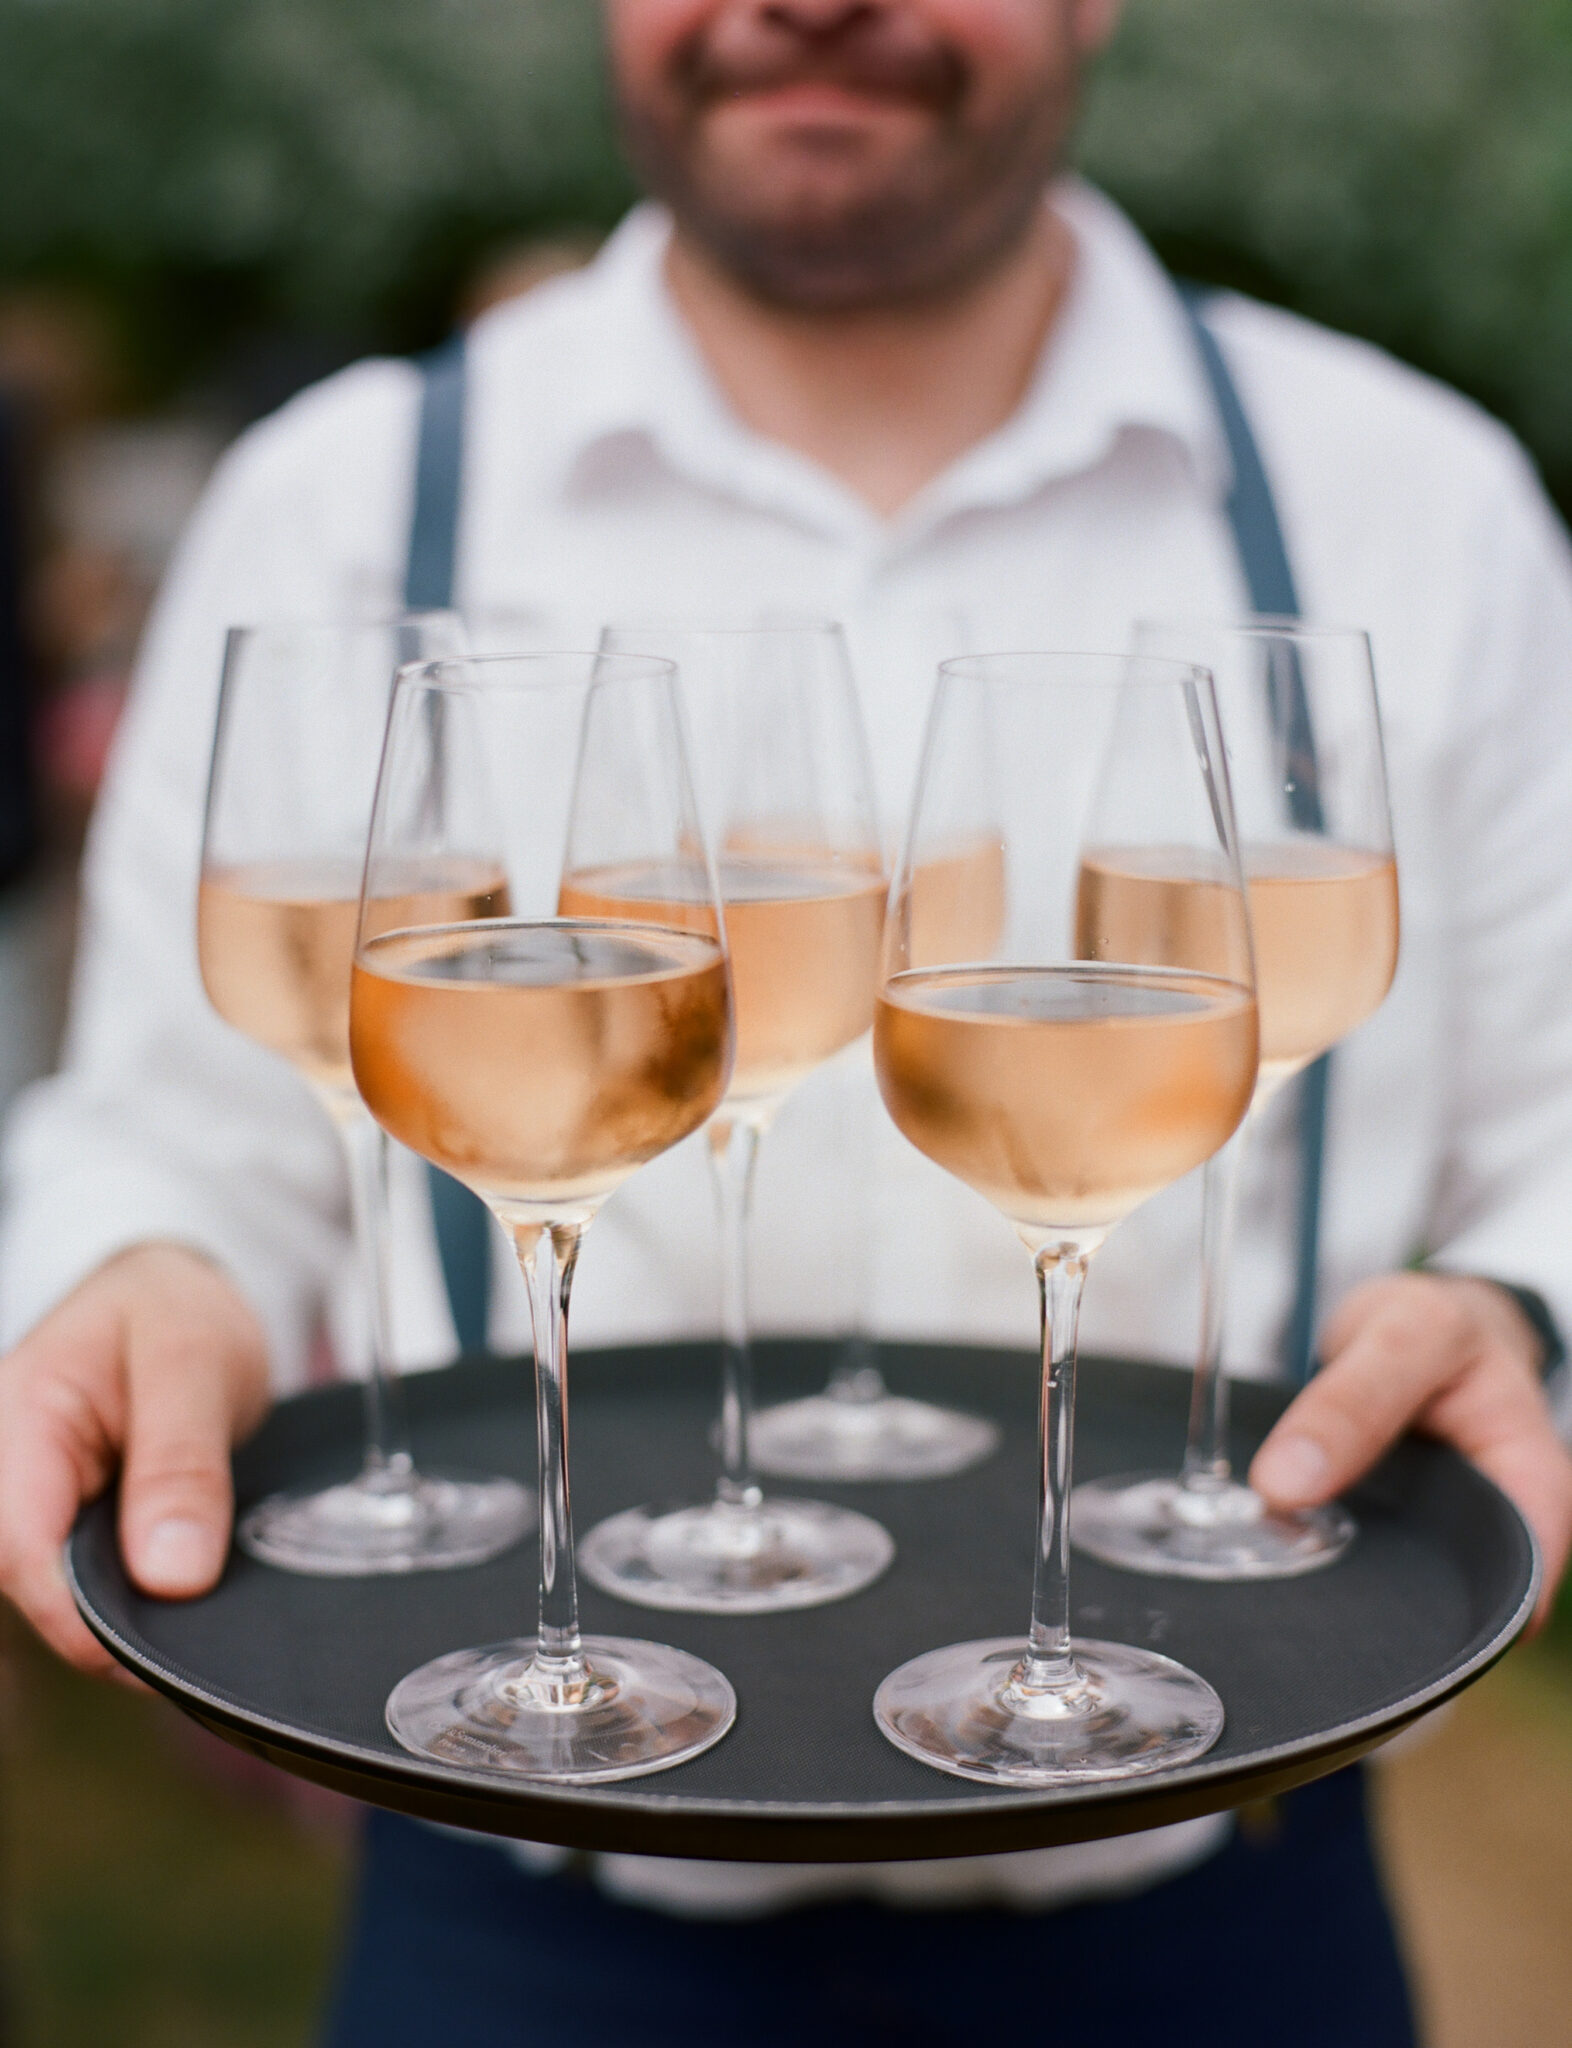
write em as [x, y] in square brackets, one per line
[332, 166]
[1400, 168]
[145, 1900]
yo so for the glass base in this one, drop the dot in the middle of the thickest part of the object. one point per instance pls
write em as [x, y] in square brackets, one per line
[646, 1707]
[721, 1559]
[1127, 1713]
[1149, 1522]
[388, 1521]
[835, 1436]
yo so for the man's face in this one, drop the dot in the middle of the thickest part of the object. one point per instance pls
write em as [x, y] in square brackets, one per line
[850, 153]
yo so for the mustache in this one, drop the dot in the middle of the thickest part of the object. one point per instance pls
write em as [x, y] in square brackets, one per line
[868, 62]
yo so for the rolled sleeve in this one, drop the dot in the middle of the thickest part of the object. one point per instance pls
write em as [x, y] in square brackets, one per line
[1504, 1190]
[164, 1123]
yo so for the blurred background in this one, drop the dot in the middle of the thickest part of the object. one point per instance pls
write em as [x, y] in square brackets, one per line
[207, 204]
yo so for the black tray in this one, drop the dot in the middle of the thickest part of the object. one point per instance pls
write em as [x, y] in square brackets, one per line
[1312, 1671]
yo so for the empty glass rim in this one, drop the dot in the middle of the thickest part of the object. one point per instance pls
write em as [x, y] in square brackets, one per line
[721, 628]
[1251, 625]
[322, 627]
[1105, 670]
[493, 674]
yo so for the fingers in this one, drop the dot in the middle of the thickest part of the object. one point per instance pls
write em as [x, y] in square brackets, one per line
[193, 1365]
[1497, 1415]
[37, 1585]
[1450, 1356]
[175, 1496]
[155, 1355]
[53, 1455]
[1535, 1473]
[1393, 1346]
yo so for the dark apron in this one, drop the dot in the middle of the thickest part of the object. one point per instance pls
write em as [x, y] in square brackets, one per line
[1280, 1940]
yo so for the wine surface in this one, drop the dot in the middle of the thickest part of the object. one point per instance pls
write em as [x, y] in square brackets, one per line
[957, 905]
[803, 934]
[1065, 1095]
[541, 1062]
[276, 940]
[1326, 932]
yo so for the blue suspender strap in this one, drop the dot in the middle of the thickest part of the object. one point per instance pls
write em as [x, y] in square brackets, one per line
[439, 476]
[1258, 536]
[1299, 1342]
[463, 1227]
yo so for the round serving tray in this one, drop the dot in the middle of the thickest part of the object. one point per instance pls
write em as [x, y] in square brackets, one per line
[1312, 1671]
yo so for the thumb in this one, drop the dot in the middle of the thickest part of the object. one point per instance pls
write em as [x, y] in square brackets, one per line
[176, 1496]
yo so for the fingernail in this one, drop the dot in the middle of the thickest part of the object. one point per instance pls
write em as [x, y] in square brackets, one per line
[178, 1553]
[1292, 1468]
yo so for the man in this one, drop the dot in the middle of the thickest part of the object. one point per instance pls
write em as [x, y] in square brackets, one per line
[861, 367]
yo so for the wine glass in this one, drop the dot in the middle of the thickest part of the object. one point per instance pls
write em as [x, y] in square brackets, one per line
[856, 1428]
[1065, 1078]
[541, 1055]
[300, 721]
[1302, 731]
[782, 773]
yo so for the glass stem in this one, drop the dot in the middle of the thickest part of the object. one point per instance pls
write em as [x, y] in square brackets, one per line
[734, 1152]
[1048, 1665]
[1207, 1469]
[547, 1255]
[857, 1378]
[388, 1462]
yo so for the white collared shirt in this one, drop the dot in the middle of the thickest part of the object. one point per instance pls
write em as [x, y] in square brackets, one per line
[606, 478]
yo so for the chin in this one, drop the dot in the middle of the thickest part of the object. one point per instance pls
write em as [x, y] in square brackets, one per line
[808, 177]
[760, 141]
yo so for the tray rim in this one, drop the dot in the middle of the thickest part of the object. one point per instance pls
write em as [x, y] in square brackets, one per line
[648, 1822]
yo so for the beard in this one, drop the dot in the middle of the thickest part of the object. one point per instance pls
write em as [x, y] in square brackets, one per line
[839, 224]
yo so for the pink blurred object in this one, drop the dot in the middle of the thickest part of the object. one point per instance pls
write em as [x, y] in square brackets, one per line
[76, 728]
[312, 1808]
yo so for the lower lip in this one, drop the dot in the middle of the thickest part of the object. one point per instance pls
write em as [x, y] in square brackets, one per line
[824, 103]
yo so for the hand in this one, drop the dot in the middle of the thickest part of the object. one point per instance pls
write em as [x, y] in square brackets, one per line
[1452, 1357]
[154, 1362]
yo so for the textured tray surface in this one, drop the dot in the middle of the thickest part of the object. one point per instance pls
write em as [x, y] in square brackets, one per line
[1311, 1670]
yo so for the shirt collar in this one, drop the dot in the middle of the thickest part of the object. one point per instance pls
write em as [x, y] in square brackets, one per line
[643, 386]
[1121, 358]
